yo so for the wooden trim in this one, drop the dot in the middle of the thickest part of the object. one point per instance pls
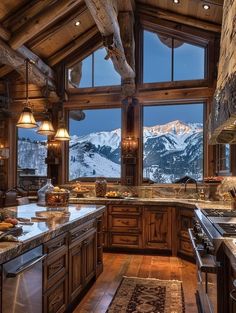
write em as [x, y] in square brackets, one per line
[178, 18]
[41, 21]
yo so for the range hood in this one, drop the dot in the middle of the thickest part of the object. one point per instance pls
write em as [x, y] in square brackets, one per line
[222, 122]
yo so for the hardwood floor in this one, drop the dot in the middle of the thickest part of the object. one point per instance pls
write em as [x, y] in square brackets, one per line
[100, 295]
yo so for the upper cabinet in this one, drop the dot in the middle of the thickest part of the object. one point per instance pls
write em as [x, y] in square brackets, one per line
[222, 122]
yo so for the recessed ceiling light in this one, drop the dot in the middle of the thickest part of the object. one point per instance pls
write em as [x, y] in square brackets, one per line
[176, 1]
[206, 6]
[77, 23]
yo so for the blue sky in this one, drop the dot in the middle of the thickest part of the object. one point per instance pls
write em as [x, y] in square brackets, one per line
[160, 70]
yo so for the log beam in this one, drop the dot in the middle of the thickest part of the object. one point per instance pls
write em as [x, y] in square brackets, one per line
[41, 21]
[178, 18]
[105, 17]
[12, 58]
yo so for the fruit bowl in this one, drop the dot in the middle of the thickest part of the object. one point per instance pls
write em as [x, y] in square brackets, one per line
[114, 195]
[57, 197]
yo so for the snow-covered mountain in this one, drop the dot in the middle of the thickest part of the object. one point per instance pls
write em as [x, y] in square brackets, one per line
[171, 151]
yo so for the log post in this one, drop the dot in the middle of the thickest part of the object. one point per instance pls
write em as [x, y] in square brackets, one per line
[105, 17]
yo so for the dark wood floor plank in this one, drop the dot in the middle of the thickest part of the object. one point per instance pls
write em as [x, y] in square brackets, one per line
[116, 266]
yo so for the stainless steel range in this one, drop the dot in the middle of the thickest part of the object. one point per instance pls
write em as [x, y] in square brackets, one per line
[211, 226]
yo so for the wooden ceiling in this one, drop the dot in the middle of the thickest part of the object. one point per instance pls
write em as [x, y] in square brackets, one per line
[45, 31]
[191, 8]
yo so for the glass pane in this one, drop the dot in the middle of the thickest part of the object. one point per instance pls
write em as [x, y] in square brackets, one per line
[94, 148]
[86, 78]
[31, 154]
[156, 58]
[173, 142]
[189, 62]
[104, 72]
[224, 158]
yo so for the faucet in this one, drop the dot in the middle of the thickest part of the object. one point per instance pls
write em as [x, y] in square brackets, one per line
[191, 180]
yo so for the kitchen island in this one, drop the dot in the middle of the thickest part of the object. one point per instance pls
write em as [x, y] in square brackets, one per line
[65, 247]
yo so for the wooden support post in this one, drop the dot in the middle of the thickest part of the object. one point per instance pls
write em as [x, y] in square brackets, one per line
[105, 17]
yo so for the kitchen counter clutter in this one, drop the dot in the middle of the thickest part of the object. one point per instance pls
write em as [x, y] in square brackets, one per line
[58, 256]
[46, 224]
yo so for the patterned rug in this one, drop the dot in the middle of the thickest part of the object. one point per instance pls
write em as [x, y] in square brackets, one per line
[147, 295]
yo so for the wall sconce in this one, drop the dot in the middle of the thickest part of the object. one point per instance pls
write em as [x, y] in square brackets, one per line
[4, 154]
[130, 146]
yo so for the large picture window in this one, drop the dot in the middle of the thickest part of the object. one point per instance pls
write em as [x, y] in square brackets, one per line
[94, 71]
[173, 142]
[94, 149]
[167, 59]
[31, 154]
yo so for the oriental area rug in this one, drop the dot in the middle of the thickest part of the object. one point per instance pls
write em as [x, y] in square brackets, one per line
[148, 295]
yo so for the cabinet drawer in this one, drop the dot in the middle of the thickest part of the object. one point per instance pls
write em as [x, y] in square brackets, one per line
[56, 244]
[123, 222]
[55, 267]
[125, 240]
[81, 231]
[124, 209]
[55, 300]
[185, 247]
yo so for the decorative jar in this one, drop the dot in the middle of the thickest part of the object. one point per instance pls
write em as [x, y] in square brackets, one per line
[42, 192]
[100, 187]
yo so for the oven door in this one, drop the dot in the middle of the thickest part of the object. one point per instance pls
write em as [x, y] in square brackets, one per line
[206, 278]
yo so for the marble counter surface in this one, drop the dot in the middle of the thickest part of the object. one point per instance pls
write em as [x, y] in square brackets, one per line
[187, 203]
[54, 223]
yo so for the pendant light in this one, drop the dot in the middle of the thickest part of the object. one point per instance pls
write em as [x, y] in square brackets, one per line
[26, 119]
[46, 127]
[62, 133]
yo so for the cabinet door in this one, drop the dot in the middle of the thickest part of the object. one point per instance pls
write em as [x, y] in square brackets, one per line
[157, 228]
[55, 299]
[89, 257]
[75, 271]
[184, 222]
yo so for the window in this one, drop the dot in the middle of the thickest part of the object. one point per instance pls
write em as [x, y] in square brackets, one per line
[173, 142]
[223, 157]
[95, 148]
[94, 71]
[168, 59]
[31, 154]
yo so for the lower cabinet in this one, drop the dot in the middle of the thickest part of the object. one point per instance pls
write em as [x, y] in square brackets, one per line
[72, 262]
[157, 228]
[184, 222]
[55, 299]
[82, 264]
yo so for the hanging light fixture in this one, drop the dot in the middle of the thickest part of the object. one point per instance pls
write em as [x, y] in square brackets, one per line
[26, 119]
[62, 133]
[46, 127]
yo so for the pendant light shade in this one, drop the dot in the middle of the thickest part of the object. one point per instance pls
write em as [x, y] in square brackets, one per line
[46, 128]
[26, 119]
[62, 134]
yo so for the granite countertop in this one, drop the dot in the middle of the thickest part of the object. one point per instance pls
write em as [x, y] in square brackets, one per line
[57, 222]
[186, 203]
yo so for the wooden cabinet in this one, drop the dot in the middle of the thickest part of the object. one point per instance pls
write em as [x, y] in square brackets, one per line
[55, 299]
[157, 228]
[82, 259]
[124, 227]
[184, 222]
[74, 259]
[76, 271]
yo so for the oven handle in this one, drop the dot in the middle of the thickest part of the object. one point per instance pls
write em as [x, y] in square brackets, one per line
[208, 265]
[26, 266]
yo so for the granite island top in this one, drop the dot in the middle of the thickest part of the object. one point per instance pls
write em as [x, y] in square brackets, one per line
[47, 224]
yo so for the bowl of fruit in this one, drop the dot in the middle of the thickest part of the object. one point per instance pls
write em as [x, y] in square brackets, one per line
[57, 197]
[80, 190]
[114, 194]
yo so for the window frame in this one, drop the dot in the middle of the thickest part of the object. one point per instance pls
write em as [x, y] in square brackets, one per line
[92, 88]
[93, 179]
[172, 81]
[204, 103]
